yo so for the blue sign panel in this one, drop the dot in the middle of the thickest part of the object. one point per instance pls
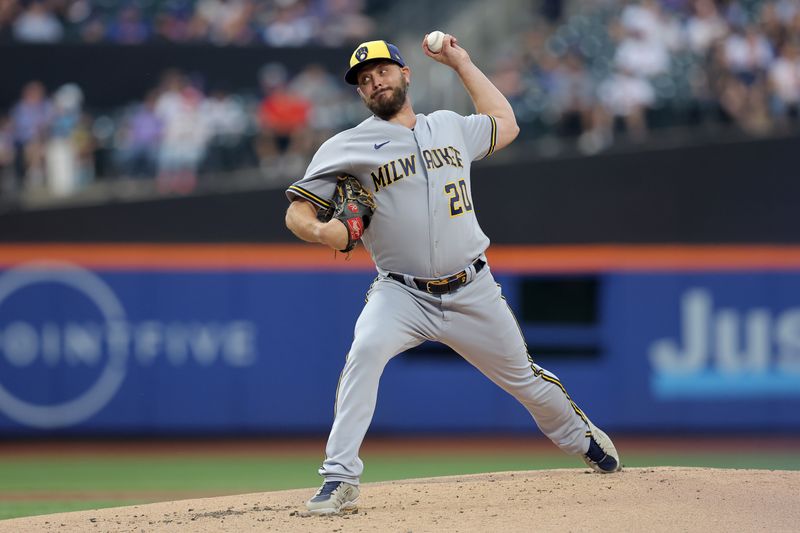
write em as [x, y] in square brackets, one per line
[715, 351]
[171, 352]
[199, 352]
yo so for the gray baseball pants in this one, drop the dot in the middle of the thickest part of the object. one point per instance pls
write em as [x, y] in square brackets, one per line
[476, 322]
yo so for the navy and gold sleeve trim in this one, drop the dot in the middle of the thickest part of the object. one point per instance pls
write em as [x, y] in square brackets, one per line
[311, 197]
[493, 136]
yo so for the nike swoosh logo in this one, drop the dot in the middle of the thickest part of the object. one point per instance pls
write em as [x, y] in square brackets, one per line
[378, 146]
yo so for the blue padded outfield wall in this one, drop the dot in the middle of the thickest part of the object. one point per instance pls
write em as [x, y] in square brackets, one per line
[259, 352]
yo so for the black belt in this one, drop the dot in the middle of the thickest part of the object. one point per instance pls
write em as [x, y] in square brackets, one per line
[443, 285]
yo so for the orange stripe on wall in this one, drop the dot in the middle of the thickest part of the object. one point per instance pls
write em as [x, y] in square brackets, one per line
[599, 258]
[520, 259]
[189, 256]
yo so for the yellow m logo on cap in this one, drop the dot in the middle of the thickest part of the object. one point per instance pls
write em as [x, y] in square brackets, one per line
[370, 50]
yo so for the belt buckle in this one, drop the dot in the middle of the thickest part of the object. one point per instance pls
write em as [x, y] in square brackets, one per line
[461, 277]
[435, 283]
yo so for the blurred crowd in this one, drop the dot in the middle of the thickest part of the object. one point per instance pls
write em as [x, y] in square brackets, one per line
[221, 22]
[599, 73]
[616, 67]
[180, 132]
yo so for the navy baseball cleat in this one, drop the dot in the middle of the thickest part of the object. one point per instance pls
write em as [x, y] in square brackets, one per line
[601, 456]
[333, 497]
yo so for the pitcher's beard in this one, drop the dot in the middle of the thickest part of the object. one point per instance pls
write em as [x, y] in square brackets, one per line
[386, 107]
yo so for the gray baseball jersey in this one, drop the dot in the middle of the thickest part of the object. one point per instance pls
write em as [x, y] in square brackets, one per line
[425, 223]
[424, 226]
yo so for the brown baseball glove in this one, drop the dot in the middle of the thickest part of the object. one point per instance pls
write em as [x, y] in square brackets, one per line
[353, 205]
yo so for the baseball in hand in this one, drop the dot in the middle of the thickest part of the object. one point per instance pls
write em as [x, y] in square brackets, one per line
[435, 40]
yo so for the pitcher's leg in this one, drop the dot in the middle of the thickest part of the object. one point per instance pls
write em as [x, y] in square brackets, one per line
[390, 323]
[483, 330]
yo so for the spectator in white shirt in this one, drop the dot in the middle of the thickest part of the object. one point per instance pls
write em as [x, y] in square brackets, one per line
[747, 54]
[784, 81]
[640, 56]
[37, 25]
[705, 26]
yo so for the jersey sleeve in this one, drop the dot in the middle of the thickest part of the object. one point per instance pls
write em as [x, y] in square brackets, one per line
[319, 182]
[480, 135]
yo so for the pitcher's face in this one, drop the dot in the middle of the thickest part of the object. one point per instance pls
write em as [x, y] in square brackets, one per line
[383, 87]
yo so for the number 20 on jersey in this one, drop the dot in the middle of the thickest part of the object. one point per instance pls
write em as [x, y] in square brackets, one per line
[460, 201]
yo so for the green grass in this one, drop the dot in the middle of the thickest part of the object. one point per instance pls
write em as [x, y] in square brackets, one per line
[33, 508]
[38, 476]
[157, 473]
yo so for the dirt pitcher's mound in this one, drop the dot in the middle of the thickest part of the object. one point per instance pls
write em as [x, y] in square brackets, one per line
[637, 499]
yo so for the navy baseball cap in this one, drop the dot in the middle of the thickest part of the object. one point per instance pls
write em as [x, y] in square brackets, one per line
[368, 52]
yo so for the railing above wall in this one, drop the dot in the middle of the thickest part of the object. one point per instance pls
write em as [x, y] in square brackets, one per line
[742, 192]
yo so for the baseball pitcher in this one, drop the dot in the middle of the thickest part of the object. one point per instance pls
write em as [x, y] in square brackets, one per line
[400, 183]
